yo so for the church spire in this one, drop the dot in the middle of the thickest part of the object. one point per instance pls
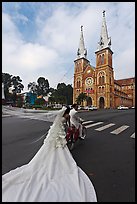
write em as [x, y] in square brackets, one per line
[105, 41]
[82, 52]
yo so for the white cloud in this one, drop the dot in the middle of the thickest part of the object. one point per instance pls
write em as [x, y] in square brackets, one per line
[24, 59]
[54, 49]
[124, 70]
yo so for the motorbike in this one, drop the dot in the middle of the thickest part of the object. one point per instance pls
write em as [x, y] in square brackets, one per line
[72, 135]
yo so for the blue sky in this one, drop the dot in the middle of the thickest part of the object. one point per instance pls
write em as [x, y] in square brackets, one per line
[42, 38]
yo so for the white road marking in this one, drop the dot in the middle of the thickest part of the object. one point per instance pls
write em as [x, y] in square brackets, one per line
[86, 122]
[120, 129]
[94, 124]
[105, 127]
[133, 135]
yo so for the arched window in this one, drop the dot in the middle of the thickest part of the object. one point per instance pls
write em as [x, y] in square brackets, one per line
[99, 61]
[102, 59]
[100, 80]
[77, 84]
[103, 79]
[110, 80]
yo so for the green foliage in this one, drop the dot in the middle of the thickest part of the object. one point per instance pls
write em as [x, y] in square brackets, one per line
[11, 81]
[39, 101]
[81, 97]
[62, 95]
[32, 86]
[43, 86]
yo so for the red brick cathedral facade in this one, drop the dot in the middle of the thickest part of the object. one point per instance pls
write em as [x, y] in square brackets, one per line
[98, 82]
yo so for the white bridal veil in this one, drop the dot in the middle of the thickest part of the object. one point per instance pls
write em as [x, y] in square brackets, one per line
[51, 176]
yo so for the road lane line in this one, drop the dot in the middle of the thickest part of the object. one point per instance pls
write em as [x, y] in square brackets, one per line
[86, 122]
[120, 129]
[105, 127]
[133, 135]
[94, 124]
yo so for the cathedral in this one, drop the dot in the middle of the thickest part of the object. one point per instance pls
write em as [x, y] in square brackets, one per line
[98, 82]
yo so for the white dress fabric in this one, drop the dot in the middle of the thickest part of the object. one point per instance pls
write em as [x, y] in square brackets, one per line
[51, 176]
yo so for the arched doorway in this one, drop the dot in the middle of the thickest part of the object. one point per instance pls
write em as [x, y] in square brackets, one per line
[89, 101]
[101, 103]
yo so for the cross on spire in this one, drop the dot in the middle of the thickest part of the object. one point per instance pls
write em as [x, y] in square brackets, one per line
[105, 41]
[82, 52]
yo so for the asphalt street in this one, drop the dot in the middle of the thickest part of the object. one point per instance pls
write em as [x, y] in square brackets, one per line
[107, 158]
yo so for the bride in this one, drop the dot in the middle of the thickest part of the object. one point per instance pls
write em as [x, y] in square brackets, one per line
[52, 175]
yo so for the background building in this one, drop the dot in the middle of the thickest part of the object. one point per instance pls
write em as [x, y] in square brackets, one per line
[98, 82]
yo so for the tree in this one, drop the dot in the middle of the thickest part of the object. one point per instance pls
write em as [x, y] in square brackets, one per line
[63, 94]
[69, 94]
[81, 97]
[39, 101]
[6, 80]
[17, 86]
[32, 86]
[14, 82]
[43, 86]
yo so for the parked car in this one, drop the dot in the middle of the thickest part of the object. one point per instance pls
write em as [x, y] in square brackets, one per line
[81, 108]
[122, 107]
[86, 108]
[92, 108]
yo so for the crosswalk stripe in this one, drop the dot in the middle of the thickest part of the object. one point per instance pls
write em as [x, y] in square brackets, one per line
[120, 129]
[94, 124]
[133, 135]
[105, 127]
[86, 122]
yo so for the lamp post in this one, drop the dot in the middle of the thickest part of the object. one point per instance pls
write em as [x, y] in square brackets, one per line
[3, 95]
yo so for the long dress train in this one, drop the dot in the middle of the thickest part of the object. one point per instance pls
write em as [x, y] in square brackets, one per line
[51, 176]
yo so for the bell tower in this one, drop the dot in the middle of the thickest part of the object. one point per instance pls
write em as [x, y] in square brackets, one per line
[104, 70]
[81, 63]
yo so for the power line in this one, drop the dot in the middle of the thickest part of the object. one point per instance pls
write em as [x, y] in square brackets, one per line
[63, 76]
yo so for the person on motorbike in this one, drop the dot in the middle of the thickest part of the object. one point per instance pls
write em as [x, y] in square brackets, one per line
[76, 121]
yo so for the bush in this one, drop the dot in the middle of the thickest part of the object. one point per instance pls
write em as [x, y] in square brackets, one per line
[39, 101]
[37, 106]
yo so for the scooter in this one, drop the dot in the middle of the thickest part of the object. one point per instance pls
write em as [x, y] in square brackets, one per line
[72, 136]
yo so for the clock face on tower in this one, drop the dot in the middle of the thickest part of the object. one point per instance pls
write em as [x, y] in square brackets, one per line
[89, 81]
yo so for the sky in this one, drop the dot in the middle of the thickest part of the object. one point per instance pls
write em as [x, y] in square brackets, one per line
[40, 39]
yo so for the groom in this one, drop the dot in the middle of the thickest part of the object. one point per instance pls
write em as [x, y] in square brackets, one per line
[75, 120]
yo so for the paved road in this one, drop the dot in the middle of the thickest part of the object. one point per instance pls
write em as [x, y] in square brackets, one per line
[107, 155]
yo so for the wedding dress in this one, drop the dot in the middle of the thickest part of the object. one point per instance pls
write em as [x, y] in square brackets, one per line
[51, 176]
